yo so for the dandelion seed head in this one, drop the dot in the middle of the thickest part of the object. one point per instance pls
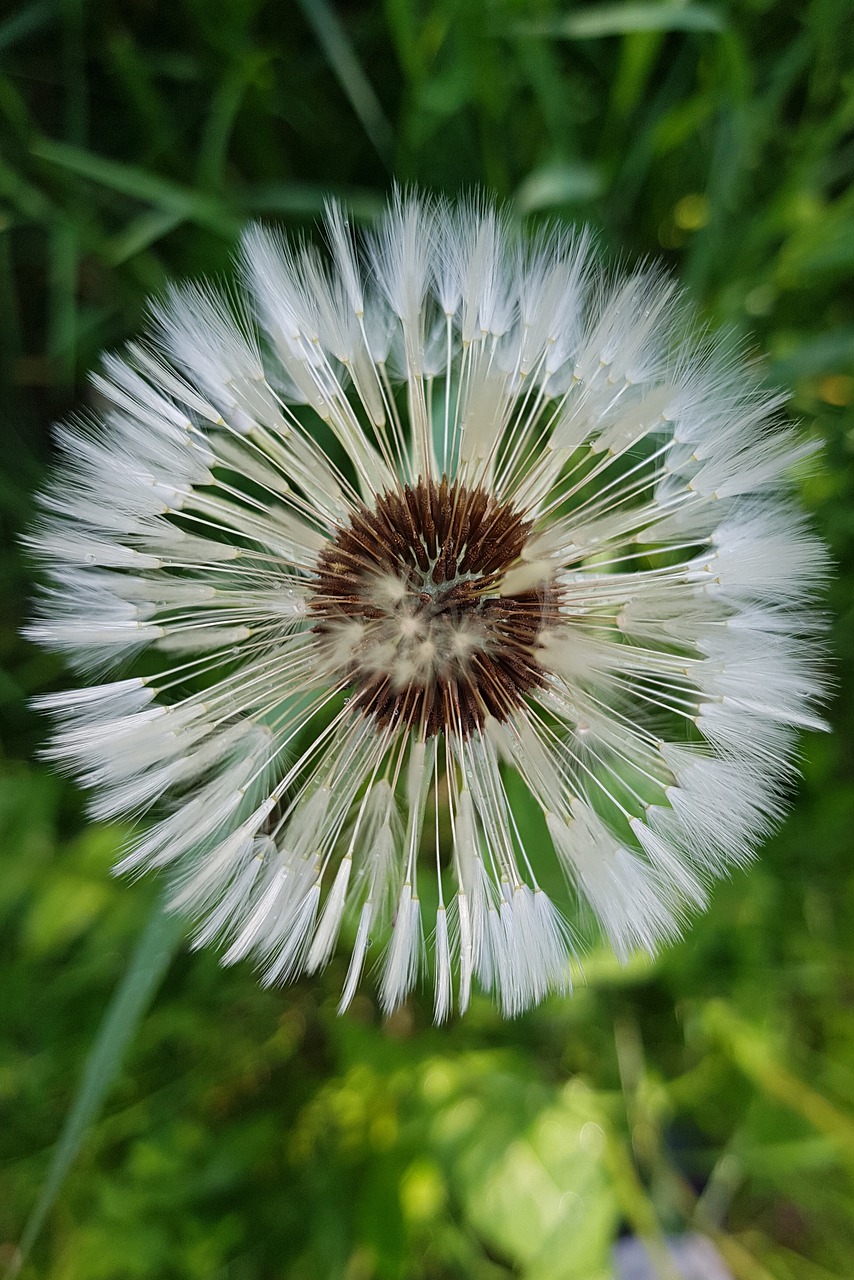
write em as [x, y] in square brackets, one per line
[388, 523]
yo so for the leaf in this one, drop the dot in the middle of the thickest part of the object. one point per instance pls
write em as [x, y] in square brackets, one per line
[530, 1171]
[148, 965]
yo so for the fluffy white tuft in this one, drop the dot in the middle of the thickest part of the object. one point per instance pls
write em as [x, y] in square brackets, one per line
[675, 658]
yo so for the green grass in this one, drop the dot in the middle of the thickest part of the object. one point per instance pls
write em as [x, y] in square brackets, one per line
[252, 1135]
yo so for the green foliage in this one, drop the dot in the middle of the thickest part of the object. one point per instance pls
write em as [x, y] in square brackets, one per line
[252, 1134]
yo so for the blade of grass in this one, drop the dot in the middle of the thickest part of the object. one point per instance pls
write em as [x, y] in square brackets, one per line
[540, 61]
[15, 113]
[729, 159]
[29, 201]
[76, 106]
[64, 258]
[140, 234]
[150, 188]
[25, 22]
[618, 19]
[305, 199]
[636, 157]
[17, 403]
[748, 1051]
[148, 965]
[65, 241]
[341, 56]
[557, 184]
[140, 98]
[11, 346]
[637, 1207]
[224, 109]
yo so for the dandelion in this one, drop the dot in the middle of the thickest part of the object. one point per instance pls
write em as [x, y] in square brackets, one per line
[395, 534]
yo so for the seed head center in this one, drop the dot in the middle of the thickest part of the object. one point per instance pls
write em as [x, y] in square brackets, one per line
[409, 608]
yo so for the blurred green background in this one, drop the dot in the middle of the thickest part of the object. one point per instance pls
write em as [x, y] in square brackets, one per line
[253, 1135]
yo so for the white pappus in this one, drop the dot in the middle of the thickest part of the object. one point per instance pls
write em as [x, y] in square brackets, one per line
[388, 526]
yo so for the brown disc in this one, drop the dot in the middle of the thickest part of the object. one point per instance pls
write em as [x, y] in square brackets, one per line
[407, 602]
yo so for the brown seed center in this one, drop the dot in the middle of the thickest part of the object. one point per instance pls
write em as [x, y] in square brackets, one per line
[409, 606]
